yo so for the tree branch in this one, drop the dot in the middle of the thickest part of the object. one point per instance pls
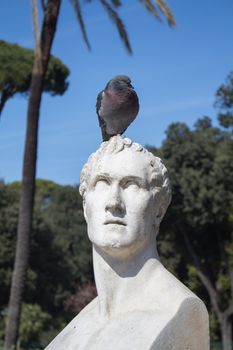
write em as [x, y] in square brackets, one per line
[231, 280]
[229, 311]
[5, 95]
[214, 297]
[226, 260]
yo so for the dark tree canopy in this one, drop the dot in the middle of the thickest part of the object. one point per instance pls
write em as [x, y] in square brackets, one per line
[16, 69]
[60, 259]
[224, 102]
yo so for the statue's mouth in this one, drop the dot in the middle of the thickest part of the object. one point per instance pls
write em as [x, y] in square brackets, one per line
[114, 222]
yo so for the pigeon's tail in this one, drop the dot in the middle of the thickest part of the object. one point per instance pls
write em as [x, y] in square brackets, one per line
[105, 135]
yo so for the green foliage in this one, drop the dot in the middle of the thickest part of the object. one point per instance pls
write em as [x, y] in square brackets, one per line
[60, 256]
[193, 281]
[2, 326]
[16, 68]
[33, 322]
[167, 247]
[200, 163]
[8, 228]
[224, 102]
[60, 244]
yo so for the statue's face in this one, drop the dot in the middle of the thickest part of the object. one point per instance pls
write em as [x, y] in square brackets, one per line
[119, 205]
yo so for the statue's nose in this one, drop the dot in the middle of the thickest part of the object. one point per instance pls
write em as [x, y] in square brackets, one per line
[114, 202]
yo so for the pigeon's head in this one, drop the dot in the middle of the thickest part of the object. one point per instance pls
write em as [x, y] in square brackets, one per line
[119, 81]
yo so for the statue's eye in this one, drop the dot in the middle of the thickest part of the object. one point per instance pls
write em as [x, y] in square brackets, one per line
[101, 181]
[131, 184]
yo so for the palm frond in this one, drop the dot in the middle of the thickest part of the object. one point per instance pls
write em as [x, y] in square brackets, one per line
[116, 3]
[77, 7]
[151, 8]
[43, 5]
[119, 24]
[166, 11]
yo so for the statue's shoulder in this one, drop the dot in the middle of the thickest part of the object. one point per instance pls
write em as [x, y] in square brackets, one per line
[185, 311]
[65, 339]
[173, 293]
[174, 287]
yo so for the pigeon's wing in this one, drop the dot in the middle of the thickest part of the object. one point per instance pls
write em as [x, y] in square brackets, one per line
[98, 102]
[102, 123]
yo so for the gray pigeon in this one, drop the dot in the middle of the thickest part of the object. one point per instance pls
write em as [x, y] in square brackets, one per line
[117, 106]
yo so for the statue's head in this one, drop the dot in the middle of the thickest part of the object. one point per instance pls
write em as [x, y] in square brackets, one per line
[126, 192]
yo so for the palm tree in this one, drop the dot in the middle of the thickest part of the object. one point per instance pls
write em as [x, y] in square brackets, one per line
[29, 173]
[44, 43]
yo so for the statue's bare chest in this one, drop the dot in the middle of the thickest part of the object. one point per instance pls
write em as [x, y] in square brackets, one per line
[135, 330]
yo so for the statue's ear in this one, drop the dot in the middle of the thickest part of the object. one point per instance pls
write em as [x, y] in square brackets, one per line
[84, 210]
[159, 213]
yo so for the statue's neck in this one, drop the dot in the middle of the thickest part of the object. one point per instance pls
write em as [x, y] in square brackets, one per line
[118, 277]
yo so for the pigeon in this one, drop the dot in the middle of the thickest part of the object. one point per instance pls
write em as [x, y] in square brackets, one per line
[116, 106]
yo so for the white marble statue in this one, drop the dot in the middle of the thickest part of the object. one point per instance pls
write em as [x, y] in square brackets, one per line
[140, 305]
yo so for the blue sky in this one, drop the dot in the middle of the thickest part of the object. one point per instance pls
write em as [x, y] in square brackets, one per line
[175, 72]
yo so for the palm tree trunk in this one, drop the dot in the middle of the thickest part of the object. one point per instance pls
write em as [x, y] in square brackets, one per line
[226, 333]
[29, 174]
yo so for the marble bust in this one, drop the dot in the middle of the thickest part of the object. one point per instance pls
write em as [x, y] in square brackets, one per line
[140, 305]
